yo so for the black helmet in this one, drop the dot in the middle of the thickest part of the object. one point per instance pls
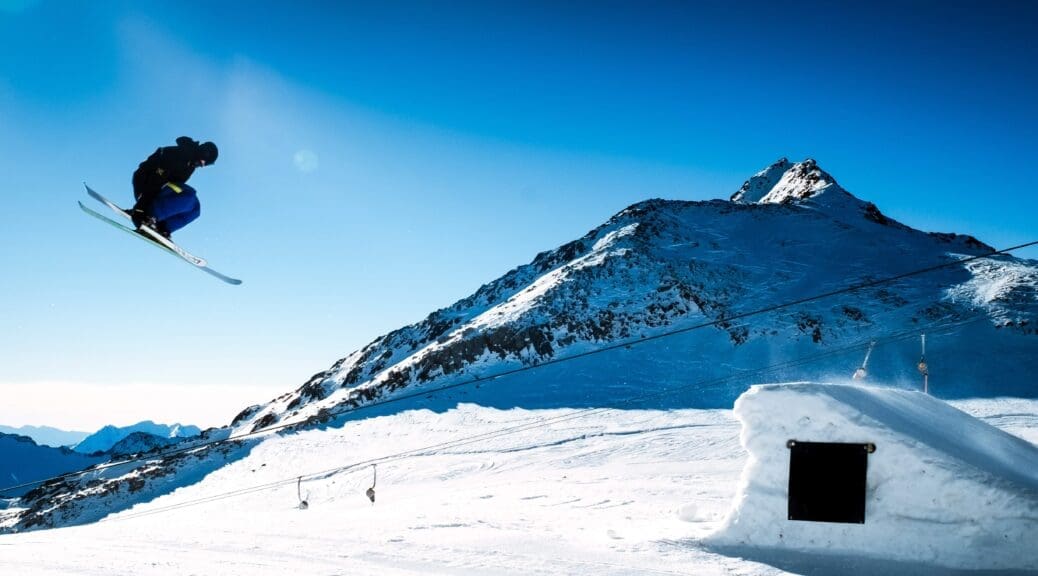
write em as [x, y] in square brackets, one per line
[207, 151]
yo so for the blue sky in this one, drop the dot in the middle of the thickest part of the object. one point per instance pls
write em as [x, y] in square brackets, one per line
[382, 160]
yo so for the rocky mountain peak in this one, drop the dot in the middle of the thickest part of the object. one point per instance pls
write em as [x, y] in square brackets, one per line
[761, 183]
[784, 182]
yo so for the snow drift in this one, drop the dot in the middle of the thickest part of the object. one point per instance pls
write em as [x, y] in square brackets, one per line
[943, 488]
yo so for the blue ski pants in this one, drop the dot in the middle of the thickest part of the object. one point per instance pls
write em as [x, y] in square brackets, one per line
[175, 206]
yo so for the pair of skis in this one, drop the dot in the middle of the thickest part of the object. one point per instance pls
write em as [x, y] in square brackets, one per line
[152, 237]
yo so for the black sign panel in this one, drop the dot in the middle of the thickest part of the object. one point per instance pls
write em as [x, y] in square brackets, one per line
[827, 481]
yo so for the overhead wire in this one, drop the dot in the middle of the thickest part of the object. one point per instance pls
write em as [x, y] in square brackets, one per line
[545, 421]
[330, 414]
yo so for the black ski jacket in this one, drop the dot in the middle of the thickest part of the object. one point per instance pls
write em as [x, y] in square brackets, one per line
[168, 164]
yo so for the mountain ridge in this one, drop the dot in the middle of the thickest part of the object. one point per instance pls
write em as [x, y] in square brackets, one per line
[637, 243]
[104, 439]
[47, 435]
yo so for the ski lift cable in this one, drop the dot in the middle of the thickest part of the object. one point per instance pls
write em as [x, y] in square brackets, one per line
[200, 446]
[699, 386]
[541, 422]
[335, 413]
[628, 344]
[349, 468]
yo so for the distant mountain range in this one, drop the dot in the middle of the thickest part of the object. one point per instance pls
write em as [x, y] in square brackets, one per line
[665, 287]
[104, 439]
[23, 459]
[140, 443]
[47, 436]
[107, 437]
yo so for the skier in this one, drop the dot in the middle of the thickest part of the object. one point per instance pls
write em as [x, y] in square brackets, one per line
[164, 201]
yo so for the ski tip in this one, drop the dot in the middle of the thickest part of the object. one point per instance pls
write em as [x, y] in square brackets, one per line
[225, 278]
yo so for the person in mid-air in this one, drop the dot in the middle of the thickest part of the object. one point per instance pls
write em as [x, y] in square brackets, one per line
[165, 203]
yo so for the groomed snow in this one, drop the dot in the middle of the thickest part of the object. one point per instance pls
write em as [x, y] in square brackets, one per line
[575, 492]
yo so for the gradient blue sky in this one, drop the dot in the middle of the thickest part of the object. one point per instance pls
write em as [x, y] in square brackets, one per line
[382, 160]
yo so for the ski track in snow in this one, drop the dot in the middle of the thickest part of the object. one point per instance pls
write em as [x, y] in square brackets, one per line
[611, 493]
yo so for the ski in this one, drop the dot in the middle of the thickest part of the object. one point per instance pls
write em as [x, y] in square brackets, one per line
[136, 234]
[151, 234]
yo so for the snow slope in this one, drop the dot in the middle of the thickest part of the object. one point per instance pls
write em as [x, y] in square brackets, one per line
[943, 488]
[618, 492]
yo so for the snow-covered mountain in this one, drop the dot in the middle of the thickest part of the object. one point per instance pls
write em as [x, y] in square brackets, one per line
[658, 266]
[105, 438]
[139, 443]
[46, 435]
[22, 460]
[689, 271]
